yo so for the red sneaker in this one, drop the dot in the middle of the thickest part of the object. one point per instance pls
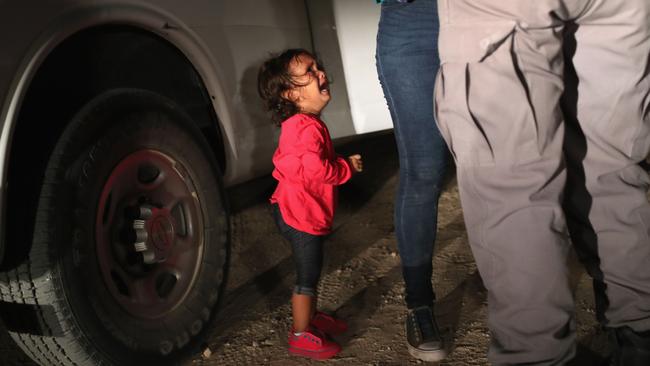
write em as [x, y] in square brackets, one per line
[312, 344]
[328, 324]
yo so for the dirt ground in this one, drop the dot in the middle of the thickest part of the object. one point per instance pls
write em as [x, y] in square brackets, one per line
[361, 280]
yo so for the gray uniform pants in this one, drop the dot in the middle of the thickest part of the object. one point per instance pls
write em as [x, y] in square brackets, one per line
[545, 107]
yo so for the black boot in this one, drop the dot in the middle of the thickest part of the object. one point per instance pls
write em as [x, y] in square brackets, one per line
[630, 348]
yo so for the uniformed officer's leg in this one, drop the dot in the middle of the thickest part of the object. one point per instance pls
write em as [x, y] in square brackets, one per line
[497, 98]
[609, 134]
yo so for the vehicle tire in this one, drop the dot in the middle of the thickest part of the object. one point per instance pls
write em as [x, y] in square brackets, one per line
[130, 244]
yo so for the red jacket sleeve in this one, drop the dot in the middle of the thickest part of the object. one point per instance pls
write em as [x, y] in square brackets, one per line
[315, 160]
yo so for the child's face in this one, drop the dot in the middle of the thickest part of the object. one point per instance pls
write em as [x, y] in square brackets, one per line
[312, 94]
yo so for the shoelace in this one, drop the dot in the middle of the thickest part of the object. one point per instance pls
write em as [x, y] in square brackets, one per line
[425, 323]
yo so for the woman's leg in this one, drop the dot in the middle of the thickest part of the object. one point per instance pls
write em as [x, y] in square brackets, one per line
[407, 61]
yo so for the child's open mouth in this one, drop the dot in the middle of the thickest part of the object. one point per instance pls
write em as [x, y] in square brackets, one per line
[324, 88]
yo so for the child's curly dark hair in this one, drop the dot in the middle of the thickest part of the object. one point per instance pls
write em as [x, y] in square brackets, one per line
[274, 79]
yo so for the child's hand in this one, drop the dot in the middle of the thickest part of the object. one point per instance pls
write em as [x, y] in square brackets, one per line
[356, 163]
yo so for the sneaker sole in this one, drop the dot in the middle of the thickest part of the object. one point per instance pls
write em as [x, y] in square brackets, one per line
[427, 356]
[322, 355]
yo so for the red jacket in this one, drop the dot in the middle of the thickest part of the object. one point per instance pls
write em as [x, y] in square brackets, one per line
[308, 171]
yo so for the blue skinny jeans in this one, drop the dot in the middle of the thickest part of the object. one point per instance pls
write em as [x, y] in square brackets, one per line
[407, 63]
[307, 252]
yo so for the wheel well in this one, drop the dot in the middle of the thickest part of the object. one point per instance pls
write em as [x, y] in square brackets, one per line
[83, 66]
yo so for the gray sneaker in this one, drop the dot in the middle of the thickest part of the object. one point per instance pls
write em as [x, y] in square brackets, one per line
[422, 335]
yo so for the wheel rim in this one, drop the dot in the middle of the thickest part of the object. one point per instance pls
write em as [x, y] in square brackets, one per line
[149, 234]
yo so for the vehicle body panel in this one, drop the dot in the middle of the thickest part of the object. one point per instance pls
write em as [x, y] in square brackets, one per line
[225, 41]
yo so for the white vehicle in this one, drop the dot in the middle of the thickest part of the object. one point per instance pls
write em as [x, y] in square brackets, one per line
[122, 123]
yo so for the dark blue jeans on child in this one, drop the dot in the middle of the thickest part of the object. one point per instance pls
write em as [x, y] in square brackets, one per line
[307, 255]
